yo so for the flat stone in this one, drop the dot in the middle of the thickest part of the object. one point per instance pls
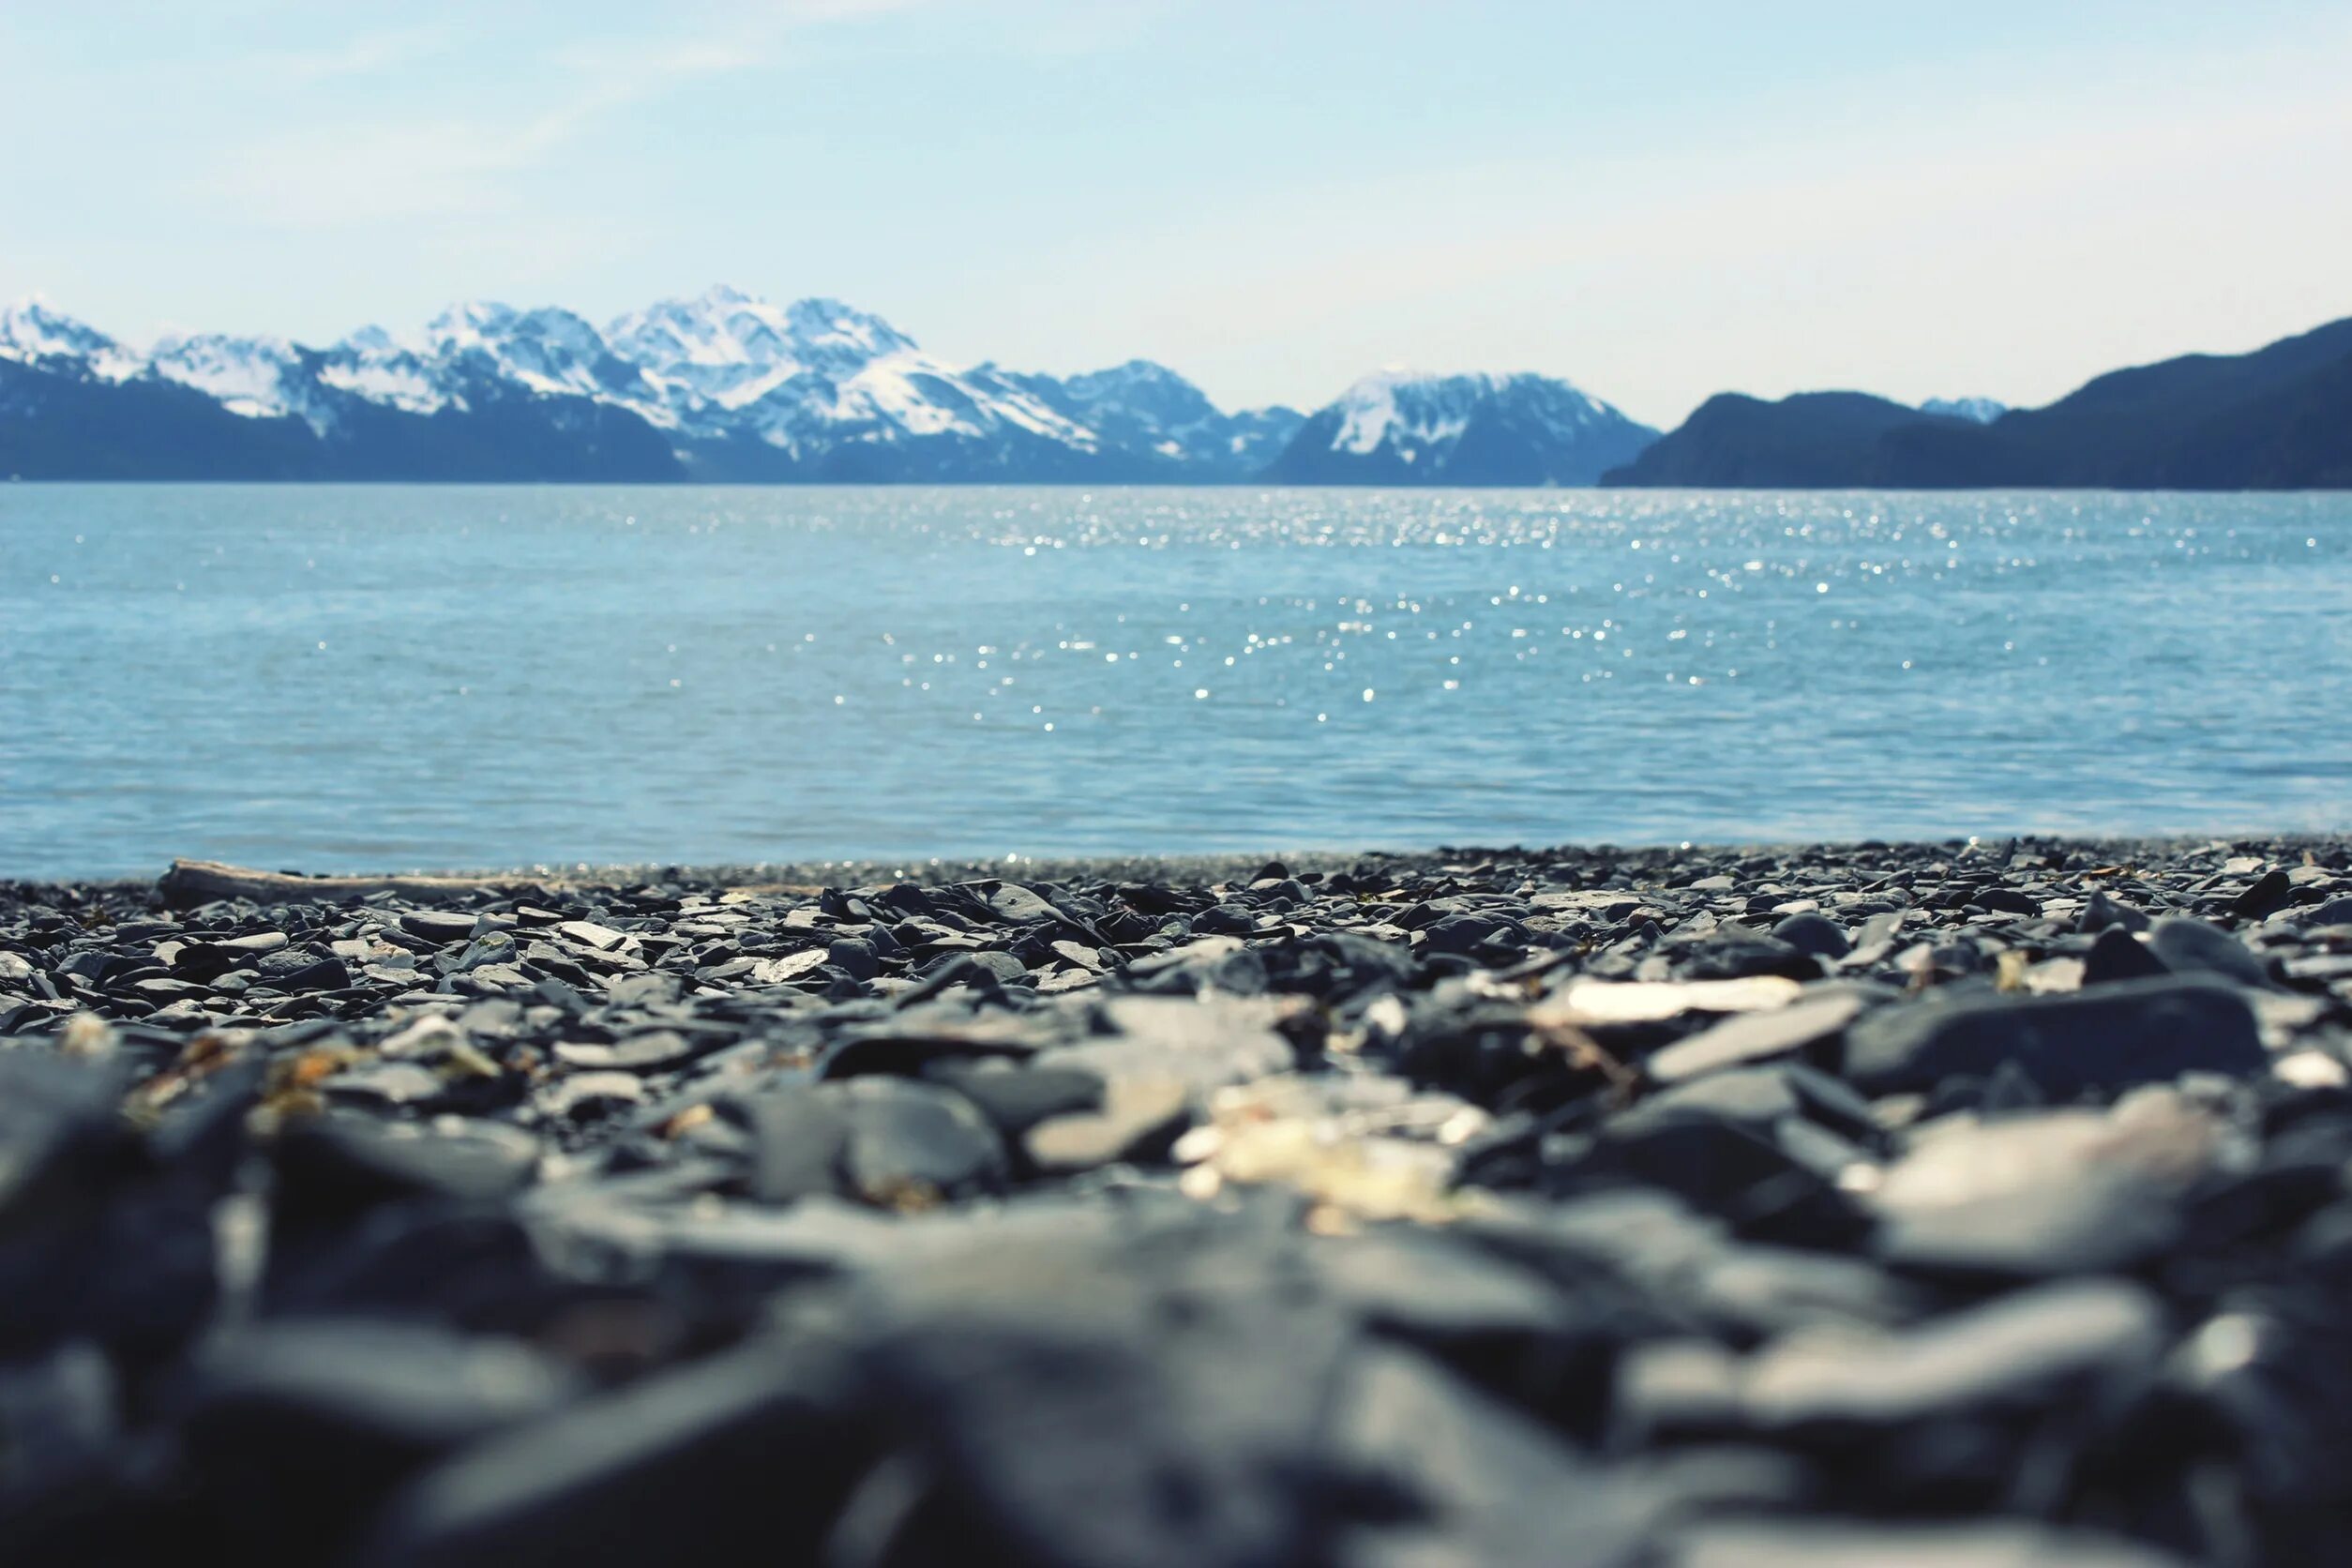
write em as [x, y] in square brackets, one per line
[790, 967]
[1783, 1542]
[295, 969]
[58, 1129]
[1751, 1037]
[1021, 906]
[2191, 946]
[854, 957]
[299, 1429]
[438, 925]
[2042, 1349]
[1138, 1119]
[1016, 1099]
[590, 1094]
[1655, 1001]
[2100, 913]
[489, 947]
[799, 1136]
[1497, 1487]
[332, 1169]
[652, 1051]
[2042, 1193]
[679, 1467]
[2104, 1037]
[914, 1143]
[386, 1083]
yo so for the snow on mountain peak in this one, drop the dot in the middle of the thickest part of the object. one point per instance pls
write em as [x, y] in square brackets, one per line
[247, 376]
[720, 296]
[33, 329]
[730, 348]
[481, 322]
[1410, 409]
[708, 348]
[817, 370]
[741, 385]
[1396, 404]
[371, 339]
[1982, 410]
[375, 367]
[1144, 390]
[1401, 426]
[545, 349]
[823, 327]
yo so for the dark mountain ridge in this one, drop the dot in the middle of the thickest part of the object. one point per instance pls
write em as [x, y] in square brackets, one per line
[2277, 419]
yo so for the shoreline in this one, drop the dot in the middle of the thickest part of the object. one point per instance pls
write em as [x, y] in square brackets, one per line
[1203, 866]
[1893, 1203]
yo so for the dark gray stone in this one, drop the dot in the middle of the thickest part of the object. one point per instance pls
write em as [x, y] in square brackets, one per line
[2264, 897]
[684, 1465]
[914, 1143]
[297, 1429]
[438, 925]
[1814, 933]
[2115, 955]
[2189, 946]
[2108, 1037]
[2101, 912]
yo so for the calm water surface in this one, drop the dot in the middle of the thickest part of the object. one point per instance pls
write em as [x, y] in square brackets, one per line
[375, 677]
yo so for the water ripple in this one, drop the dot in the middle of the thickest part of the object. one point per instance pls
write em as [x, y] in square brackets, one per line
[333, 677]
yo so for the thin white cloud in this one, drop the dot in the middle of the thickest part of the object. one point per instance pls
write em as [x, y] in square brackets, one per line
[1066, 32]
[421, 165]
[366, 54]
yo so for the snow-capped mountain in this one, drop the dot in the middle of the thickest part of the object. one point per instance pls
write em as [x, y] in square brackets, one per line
[549, 352]
[75, 403]
[1147, 408]
[258, 378]
[1980, 411]
[1400, 426]
[374, 367]
[726, 385]
[726, 348]
[723, 385]
[818, 389]
[31, 332]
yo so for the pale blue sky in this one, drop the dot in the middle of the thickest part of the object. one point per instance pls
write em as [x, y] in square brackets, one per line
[1657, 201]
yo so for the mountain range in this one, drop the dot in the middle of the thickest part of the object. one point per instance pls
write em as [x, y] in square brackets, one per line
[728, 386]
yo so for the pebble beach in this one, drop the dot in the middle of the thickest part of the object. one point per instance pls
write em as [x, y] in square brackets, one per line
[1978, 1204]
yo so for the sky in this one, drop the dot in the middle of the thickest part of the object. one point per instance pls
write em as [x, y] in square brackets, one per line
[1656, 200]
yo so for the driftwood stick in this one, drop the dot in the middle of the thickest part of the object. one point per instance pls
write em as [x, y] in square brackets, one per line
[197, 882]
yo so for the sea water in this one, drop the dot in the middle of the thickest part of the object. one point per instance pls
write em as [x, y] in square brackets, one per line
[328, 677]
